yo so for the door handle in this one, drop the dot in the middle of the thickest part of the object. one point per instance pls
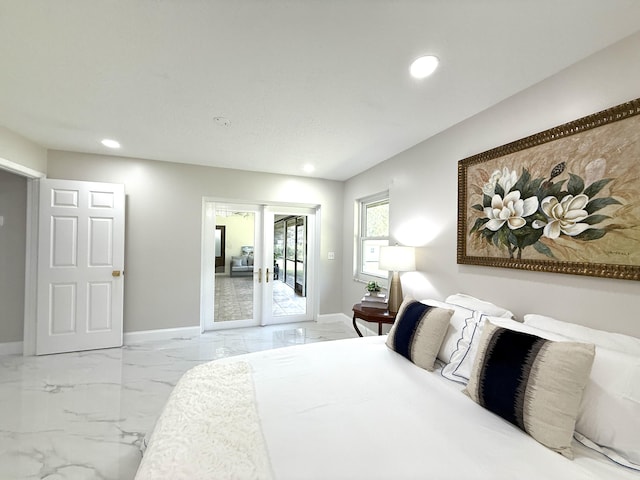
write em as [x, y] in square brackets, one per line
[115, 273]
[259, 275]
[267, 276]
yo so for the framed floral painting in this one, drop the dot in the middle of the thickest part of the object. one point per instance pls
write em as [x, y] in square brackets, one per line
[564, 200]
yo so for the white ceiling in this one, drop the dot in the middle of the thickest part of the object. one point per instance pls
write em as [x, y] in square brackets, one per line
[324, 82]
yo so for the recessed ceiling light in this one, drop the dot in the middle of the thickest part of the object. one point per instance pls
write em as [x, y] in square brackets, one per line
[308, 168]
[107, 142]
[424, 66]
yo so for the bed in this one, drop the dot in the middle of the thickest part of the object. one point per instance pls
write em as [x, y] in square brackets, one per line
[360, 409]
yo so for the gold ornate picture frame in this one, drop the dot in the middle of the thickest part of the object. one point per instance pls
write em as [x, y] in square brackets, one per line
[565, 200]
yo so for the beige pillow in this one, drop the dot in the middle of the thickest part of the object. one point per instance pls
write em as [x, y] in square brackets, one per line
[418, 332]
[534, 383]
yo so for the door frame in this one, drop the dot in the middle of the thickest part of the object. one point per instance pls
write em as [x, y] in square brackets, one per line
[207, 253]
[31, 268]
[31, 251]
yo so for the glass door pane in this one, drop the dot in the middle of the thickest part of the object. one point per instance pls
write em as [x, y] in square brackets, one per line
[236, 296]
[278, 250]
[301, 251]
[289, 301]
[290, 251]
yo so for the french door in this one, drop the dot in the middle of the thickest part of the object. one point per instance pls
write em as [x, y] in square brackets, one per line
[268, 276]
[290, 246]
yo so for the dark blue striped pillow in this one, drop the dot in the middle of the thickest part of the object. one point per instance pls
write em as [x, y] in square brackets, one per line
[534, 383]
[418, 332]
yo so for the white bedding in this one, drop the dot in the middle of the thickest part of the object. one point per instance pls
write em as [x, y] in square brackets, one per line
[209, 428]
[354, 409]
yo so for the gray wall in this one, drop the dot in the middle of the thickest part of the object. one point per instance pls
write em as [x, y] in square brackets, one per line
[163, 228]
[19, 150]
[423, 194]
[163, 236]
[13, 207]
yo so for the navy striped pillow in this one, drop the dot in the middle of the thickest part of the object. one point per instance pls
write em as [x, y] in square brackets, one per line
[534, 383]
[418, 332]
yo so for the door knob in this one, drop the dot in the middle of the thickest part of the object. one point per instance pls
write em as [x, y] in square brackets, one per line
[267, 276]
[115, 273]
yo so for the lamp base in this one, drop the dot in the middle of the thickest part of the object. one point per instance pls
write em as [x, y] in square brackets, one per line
[395, 293]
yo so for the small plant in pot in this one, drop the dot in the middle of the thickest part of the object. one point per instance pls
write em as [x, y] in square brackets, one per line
[373, 287]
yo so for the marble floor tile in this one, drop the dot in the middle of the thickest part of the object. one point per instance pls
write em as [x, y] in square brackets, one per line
[233, 299]
[83, 415]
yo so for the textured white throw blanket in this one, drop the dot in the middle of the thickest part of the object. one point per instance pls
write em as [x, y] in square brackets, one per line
[209, 428]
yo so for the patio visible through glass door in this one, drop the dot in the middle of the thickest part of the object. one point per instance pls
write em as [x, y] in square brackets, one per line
[290, 266]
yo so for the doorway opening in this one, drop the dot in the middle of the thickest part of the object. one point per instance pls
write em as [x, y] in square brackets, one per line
[28, 346]
[268, 274]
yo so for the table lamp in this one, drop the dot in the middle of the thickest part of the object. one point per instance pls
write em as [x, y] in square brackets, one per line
[396, 259]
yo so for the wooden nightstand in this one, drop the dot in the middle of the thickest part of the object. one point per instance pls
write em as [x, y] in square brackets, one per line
[374, 315]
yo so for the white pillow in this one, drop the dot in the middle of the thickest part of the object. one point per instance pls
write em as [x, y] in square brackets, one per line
[459, 369]
[524, 328]
[472, 303]
[454, 331]
[600, 338]
[609, 414]
[471, 332]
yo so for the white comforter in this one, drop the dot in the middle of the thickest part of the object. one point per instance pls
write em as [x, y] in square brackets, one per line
[352, 409]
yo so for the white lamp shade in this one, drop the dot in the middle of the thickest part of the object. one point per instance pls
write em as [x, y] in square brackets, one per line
[397, 259]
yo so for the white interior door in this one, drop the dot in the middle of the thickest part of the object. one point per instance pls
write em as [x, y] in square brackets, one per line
[80, 266]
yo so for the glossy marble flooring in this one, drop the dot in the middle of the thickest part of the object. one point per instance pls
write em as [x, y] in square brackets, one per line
[83, 415]
[233, 299]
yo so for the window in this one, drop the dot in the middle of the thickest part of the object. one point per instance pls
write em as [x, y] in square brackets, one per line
[373, 233]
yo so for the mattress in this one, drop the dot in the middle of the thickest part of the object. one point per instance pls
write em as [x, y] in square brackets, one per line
[347, 409]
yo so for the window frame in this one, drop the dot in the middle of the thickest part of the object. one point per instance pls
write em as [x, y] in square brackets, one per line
[360, 228]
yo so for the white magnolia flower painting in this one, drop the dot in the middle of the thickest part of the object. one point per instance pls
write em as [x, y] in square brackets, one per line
[568, 204]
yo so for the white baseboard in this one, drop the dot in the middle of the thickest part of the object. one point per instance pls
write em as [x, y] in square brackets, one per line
[131, 338]
[11, 348]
